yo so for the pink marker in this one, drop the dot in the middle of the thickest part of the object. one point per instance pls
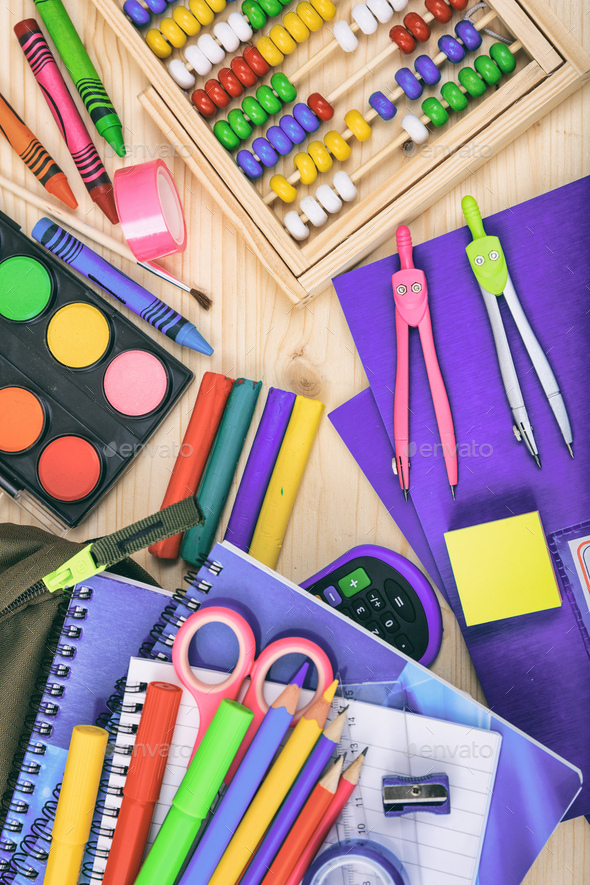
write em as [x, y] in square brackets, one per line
[411, 309]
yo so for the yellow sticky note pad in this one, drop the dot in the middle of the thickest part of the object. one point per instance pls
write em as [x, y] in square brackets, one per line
[503, 569]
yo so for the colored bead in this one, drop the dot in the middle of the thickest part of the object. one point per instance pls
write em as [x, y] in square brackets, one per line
[403, 39]
[180, 74]
[310, 207]
[454, 51]
[265, 152]
[487, 69]
[225, 135]
[325, 8]
[285, 191]
[320, 106]
[269, 52]
[453, 96]
[269, 101]
[306, 117]
[283, 87]
[343, 183]
[415, 128]
[398, 5]
[407, 81]
[282, 39]
[249, 164]
[157, 43]
[216, 5]
[459, 5]
[328, 199]
[279, 140]
[417, 27]
[337, 146]
[240, 26]
[295, 226]
[254, 13]
[138, 14]
[230, 82]
[364, 18]
[427, 69]
[296, 27]
[307, 169]
[228, 38]
[197, 59]
[381, 9]
[271, 7]
[320, 155]
[471, 82]
[211, 49]
[310, 18]
[345, 36]
[440, 10]
[292, 129]
[186, 20]
[217, 93]
[284, 2]
[468, 34]
[239, 124]
[384, 107]
[242, 70]
[203, 103]
[255, 61]
[156, 6]
[503, 57]
[172, 32]
[436, 113]
[201, 11]
[358, 125]
[254, 111]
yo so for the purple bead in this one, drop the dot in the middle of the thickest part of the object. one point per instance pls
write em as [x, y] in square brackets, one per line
[409, 83]
[265, 151]
[139, 15]
[292, 129]
[157, 6]
[453, 50]
[249, 164]
[427, 70]
[384, 107]
[306, 117]
[469, 34]
[279, 140]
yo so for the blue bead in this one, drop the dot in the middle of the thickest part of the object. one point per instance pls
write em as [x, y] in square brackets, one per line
[157, 6]
[306, 117]
[408, 82]
[292, 129]
[138, 14]
[265, 151]
[427, 70]
[469, 34]
[249, 164]
[453, 50]
[383, 106]
[279, 140]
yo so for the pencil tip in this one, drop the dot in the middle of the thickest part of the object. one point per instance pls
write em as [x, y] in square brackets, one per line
[331, 691]
[299, 677]
[453, 492]
[570, 450]
[365, 751]
[201, 298]
[406, 495]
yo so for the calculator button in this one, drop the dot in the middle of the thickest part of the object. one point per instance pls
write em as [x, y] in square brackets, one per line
[400, 601]
[376, 601]
[403, 643]
[332, 596]
[354, 582]
[374, 628]
[361, 611]
[390, 623]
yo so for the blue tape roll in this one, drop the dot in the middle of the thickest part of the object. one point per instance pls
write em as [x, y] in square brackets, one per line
[357, 856]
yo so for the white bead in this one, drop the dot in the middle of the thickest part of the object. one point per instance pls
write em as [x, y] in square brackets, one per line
[240, 26]
[329, 200]
[415, 128]
[297, 229]
[345, 36]
[310, 207]
[197, 59]
[344, 185]
[212, 50]
[180, 75]
[398, 5]
[364, 18]
[381, 10]
[226, 36]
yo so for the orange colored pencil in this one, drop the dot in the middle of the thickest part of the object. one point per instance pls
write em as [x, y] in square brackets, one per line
[348, 782]
[309, 818]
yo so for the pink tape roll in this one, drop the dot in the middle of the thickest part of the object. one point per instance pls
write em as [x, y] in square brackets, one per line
[150, 210]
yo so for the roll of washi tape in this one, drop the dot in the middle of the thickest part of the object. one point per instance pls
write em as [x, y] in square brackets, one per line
[358, 860]
[150, 211]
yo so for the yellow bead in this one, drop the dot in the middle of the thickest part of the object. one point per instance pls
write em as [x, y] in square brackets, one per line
[269, 52]
[282, 39]
[217, 5]
[283, 189]
[320, 155]
[186, 20]
[298, 29]
[308, 171]
[201, 11]
[172, 32]
[326, 9]
[358, 125]
[337, 146]
[309, 16]
[155, 40]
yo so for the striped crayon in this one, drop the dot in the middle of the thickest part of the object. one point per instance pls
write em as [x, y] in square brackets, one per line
[32, 152]
[66, 115]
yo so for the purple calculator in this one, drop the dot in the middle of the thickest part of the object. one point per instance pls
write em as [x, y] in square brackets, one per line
[386, 594]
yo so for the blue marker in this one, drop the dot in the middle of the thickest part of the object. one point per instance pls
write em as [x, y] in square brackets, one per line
[120, 286]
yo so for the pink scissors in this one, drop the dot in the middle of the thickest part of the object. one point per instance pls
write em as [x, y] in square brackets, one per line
[208, 697]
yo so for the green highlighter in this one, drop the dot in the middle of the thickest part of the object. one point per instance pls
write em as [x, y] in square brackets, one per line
[195, 795]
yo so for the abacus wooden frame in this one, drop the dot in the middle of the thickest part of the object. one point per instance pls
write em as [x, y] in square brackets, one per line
[558, 67]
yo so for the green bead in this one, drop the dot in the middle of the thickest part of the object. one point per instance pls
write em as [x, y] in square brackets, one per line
[268, 100]
[435, 112]
[254, 111]
[239, 124]
[225, 135]
[470, 81]
[453, 96]
[254, 13]
[503, 57]
[283, 87]
[487, 69]
[271, 7]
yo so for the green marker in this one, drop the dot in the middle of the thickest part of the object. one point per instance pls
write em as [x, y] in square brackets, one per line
[82, 72]
[195, 795]
[485, 254]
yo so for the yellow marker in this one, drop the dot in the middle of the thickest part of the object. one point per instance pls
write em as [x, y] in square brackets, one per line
[76, 804]
[275, 787]
[285, 481]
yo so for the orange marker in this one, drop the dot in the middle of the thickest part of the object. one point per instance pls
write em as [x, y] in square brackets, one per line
[32, 152]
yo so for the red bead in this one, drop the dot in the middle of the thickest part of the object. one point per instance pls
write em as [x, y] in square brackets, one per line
[321, 108]
[417, 27]
[459, 4]
[403, 38]
[258, 64]
[440, 10]
[243, 71]
[230, 82]
[217, 93]
[203, 103]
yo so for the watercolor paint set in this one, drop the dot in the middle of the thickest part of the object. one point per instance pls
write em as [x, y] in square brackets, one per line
[82, 389]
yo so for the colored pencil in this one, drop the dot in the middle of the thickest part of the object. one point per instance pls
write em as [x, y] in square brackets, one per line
[303, 829]
[273, 790]
[348, 782]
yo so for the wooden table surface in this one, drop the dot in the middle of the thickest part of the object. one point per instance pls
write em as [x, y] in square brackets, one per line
[256, 332]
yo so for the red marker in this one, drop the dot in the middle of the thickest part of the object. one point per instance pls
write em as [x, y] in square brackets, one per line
[66, 115]
[144, 779]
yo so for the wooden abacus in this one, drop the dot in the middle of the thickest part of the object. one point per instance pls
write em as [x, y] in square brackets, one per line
[389, 173]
